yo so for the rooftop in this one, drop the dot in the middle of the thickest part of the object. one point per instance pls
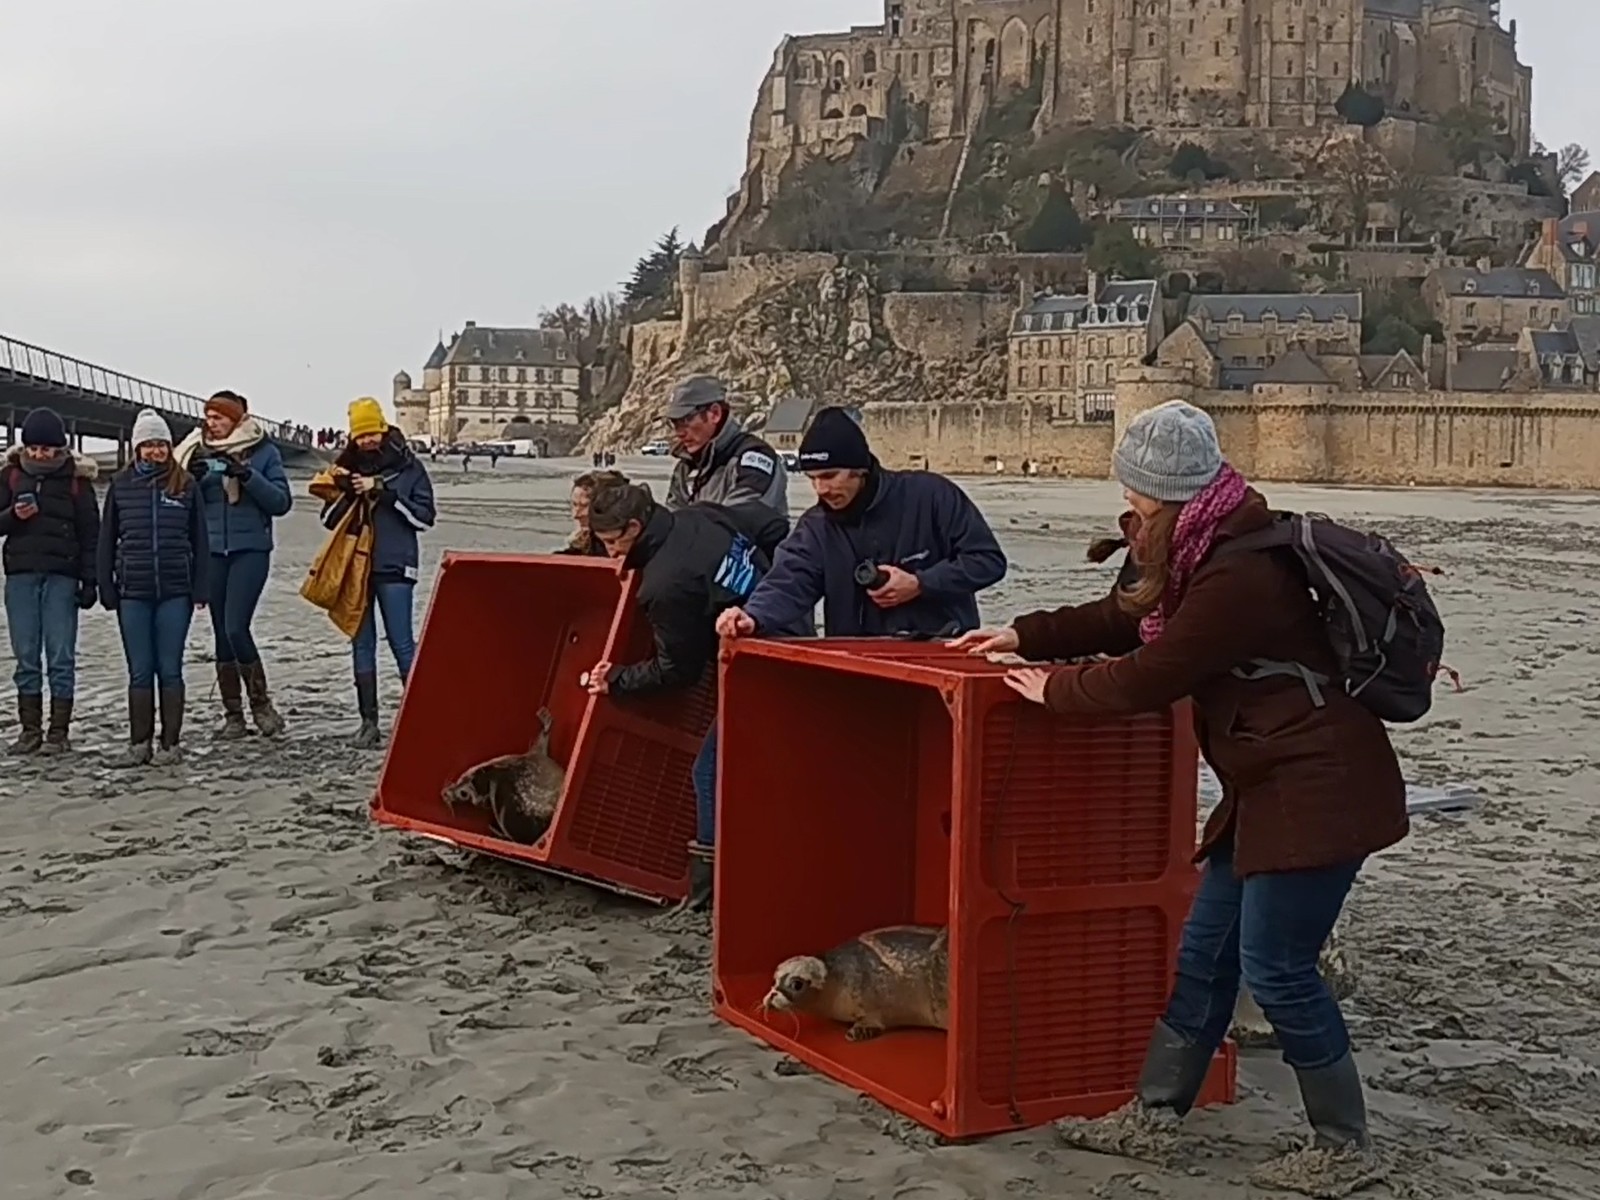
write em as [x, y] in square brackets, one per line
[510, 347]
[1175, 208]
[1501, 282]
[1289, 307]
[1122, 302]
[790, 415]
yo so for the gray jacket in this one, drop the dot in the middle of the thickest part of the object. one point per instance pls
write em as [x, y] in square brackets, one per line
[736, 468]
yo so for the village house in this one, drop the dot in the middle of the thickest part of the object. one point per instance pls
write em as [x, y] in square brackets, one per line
[1068, 351]
[488, 379]
[1586, 196]
[1178, 223]
[1565, 358]
[1567, 251]
[787, 424]
[1233, 342]
[1478, 305]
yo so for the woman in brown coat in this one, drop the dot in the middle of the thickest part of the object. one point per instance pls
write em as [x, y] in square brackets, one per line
[1309, 789]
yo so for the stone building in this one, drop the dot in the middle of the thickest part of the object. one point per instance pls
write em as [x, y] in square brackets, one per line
[1569, 250]
[488, 379]
[1184, 223]
[1231, 342]
[788, 422]
[1067, 352]
[1477, 305]
[927, 71]
[1586, 196]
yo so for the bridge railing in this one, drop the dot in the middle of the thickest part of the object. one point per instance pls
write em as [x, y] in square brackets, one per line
[21, 358]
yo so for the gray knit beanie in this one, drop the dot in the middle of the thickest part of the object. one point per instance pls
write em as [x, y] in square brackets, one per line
[1169, 452]
[150, 426]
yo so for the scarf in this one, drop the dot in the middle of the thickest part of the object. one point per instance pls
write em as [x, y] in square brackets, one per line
[390, 457]
[246, 436]
[1191, 542]
[34, 469]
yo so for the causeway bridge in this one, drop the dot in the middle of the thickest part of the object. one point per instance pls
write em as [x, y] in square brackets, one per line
[97, 402]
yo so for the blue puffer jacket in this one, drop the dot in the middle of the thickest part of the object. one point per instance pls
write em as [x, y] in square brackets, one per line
[403, 508]
[153, 546]
[264, 496]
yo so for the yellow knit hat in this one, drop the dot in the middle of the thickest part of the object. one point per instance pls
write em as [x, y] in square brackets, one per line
[366, 416]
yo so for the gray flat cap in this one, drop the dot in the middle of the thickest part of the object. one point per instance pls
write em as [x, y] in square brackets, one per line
[693, 394]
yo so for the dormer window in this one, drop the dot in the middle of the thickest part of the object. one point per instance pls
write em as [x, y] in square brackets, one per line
[1470, 287]
[1533, 287]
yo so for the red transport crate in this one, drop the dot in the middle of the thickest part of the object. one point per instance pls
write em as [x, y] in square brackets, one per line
[867, 783]
[506, 635]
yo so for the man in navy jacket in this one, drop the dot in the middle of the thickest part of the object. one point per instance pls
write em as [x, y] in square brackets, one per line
[889, 553]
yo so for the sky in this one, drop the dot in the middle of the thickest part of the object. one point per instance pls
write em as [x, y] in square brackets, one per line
[291, 199]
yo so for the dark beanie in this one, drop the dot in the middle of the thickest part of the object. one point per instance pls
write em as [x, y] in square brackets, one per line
[43, 428]
[835, 442]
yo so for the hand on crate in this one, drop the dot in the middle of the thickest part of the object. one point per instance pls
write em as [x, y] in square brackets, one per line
[901, 588]
[597, 681]
[735, 623]
[1029, 683]
[988, 641]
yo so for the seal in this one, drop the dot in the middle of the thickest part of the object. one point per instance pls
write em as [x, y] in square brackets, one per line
[521, 791]
[892, 978]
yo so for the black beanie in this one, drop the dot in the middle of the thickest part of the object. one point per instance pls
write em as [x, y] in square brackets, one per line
[835, 442]
[43, 428]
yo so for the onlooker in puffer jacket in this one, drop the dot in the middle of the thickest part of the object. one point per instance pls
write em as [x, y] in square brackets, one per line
[50, 522]
[1310, 783]
[379, 469]
[244, 489]
[153, 560]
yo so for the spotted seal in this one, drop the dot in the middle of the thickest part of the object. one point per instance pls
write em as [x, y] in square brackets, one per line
[892, 978]
[521, 791]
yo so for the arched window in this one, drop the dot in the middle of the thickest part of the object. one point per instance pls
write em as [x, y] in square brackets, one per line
[869, 63]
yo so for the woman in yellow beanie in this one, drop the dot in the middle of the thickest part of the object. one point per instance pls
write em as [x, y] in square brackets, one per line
[378, 469]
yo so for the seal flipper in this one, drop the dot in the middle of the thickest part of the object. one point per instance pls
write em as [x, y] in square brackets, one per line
[864, 1030]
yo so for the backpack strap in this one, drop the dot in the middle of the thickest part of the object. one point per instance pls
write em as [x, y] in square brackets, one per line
[1265, 668]
[1280, 535]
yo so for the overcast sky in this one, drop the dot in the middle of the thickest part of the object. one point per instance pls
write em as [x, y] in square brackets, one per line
[291, 198]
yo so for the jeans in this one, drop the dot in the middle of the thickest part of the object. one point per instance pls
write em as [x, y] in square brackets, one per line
[393, 599]
[237, 581]
[42, 616]
[153, 633]
[1268, 929]
[704, 774]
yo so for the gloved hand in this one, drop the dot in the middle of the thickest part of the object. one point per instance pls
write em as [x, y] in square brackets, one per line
[88, 593]
[199, 466]
[234, 469]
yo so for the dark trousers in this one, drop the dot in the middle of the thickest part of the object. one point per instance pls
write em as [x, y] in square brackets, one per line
[704, 774]
[153, 633]
[1267, 930]
[237, 581]
[42, 618]
[391, 598]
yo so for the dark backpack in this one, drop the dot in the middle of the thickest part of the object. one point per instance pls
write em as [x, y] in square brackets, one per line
[1386, 633]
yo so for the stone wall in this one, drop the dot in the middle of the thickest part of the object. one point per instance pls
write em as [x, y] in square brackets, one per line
[945, 325]
[726, 289]
[1384, 439]
[654, 342]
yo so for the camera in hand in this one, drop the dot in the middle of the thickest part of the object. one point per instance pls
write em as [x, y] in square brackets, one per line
[871, 576]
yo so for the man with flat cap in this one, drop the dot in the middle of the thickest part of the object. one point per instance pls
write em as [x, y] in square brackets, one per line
[718, 462]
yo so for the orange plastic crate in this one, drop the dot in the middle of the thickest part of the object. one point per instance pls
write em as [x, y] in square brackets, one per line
[506, 635]
[867, 783]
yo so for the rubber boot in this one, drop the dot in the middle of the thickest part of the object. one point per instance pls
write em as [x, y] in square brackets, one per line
[30, 711]
[702, 877]
[268, 722]
[141, 727]
[231, 684]
[368, 736]
[55, 739]
[1340, 1159]
[1145, 1128]
[169, 753]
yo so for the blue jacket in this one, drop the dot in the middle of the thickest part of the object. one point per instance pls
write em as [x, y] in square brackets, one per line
[915, 520]
[404, 507]
[152, 546]
[264, 496]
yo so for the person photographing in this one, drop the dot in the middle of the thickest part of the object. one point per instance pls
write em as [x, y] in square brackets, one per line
[885, 552]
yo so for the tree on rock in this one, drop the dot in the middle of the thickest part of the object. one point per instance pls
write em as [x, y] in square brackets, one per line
[1116, 251]
[656, 274]
[1056, 228]
[1360, 107]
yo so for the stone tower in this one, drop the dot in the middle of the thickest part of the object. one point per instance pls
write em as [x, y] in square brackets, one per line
[690, 264]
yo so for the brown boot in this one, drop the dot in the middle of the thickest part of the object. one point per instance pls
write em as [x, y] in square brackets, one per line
[168, 753]
[55, 741]
[30, 711]
[267, 720]
[231, 684]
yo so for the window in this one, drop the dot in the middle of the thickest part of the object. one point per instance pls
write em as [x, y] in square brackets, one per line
[522, 374]
[483, 374]
[869, 63]
[502, 374]
[522, 399]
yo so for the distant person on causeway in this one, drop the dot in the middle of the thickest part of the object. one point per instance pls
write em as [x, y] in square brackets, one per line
[886, 552]
[718, 462]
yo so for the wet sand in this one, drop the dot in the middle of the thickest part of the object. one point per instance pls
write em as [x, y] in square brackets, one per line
[220, 981]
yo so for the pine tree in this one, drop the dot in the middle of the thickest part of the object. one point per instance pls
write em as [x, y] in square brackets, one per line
[1056, 228]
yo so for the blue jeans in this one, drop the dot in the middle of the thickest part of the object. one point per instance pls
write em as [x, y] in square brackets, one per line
[393, 599]
[704, 774]
[1268, 929]
[153, 633]
[42, 617]
[237, 581]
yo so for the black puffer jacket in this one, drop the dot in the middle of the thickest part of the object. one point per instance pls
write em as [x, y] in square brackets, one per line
[153, 546]
[60, 538]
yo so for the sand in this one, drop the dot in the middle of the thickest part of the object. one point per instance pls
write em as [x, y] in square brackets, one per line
[220, 981]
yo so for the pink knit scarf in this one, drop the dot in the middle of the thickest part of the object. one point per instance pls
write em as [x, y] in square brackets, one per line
[1191, 542]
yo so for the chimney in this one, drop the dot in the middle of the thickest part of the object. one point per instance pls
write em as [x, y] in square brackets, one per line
[1024, 288]
[1485, 266]
[472, 324]
[1094, 286]
[1552, 229]
[1427, 355]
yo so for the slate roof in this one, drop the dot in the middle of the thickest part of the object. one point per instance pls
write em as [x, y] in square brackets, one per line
[1484, 370]
[1501, 283]
[1177, 208]
[1240, 378]
[437, 358]
[1374, 367]
[1288, 306]
[1122, 302]
[790, 415]
[1409, 10]
[1586, 330]
[511, 347]
[1578, 237]
[1294, 367]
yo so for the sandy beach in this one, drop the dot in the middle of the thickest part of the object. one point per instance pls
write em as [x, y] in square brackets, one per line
[219, 981]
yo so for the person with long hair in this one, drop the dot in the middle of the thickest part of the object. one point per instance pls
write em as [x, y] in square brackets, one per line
[1311, 786]
[583, 541]
[379, 470]
[244, 488]
[152, 564]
